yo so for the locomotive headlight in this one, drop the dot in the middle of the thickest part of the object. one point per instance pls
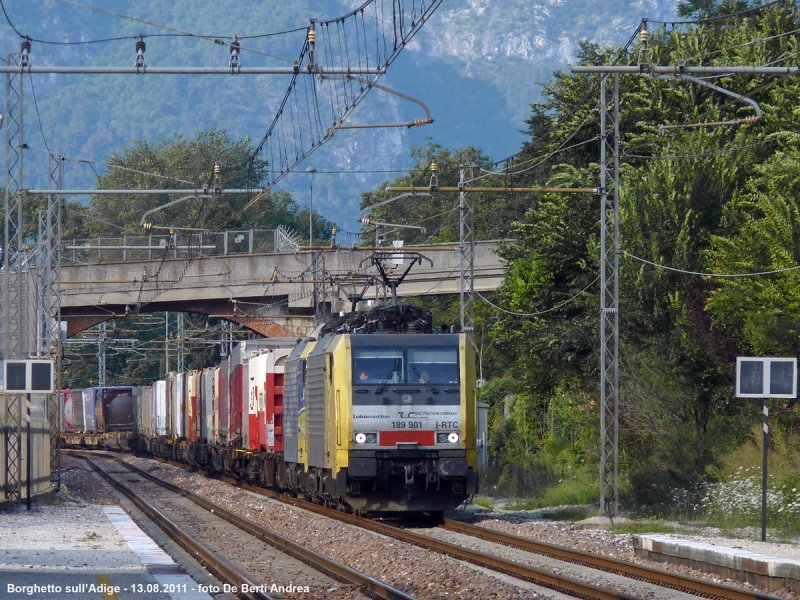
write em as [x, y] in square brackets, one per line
[447, 438]
[361, 438]
[372, 438]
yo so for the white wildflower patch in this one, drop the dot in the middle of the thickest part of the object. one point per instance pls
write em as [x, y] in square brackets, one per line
[737, 502]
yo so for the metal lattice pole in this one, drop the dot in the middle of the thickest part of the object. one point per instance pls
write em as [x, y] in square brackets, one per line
[166, 345]
[609, 298]
[101, 356]
[14, 334]
[179, 343]
[48, 305]
[467, 250]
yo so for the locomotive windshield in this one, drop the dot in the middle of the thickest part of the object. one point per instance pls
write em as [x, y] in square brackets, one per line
[432, 365]
[378, 365]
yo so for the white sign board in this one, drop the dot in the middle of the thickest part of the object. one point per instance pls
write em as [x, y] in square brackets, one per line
[758, 377]
[34, 376]
[397, 259]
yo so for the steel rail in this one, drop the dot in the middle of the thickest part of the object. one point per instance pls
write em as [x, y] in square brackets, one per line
[669, 579]
[221, 568]
[662, 577]
[559, 583]
[371, 586]
[563, 584]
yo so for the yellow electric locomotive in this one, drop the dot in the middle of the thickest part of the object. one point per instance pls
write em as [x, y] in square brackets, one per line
[380, 414]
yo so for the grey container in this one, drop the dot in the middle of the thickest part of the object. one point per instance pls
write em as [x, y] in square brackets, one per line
[315, 401]
[77, 410]
[293, 384]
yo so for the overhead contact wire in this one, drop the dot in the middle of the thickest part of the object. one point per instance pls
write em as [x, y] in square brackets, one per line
[702, 274]
[541, 312]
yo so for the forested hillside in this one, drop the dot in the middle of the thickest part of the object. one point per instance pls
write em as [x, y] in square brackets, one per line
[718, 200]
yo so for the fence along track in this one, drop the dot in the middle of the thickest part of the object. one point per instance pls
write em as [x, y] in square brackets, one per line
[369, 586]
[220, 568]
[661, 577]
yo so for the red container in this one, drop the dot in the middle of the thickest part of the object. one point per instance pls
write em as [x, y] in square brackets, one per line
[274, 398]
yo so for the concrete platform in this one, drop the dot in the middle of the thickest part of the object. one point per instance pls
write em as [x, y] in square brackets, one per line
[86, 551]
[759, 569]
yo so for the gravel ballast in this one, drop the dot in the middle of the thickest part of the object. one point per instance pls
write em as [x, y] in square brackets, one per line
[419, 572]
[262, 563]
[564, 533]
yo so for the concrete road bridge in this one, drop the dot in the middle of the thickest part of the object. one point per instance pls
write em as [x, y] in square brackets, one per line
[272, 292]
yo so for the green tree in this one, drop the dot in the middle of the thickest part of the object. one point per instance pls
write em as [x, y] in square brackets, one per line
[180, 163]
[680, 203]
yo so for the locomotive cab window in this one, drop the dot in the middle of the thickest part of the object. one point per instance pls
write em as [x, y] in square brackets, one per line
[433, 365]
[377, 366]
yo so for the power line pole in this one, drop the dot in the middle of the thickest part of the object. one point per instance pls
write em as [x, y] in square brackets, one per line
[466, 244]
[48, 311]
[609, 298]
[15, 304]
[609, 260]
[179, 343]
[101, 355]
[166, 345]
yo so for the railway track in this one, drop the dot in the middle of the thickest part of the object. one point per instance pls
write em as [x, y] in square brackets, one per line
[560, 583]
[225, 570]
[664, 578]
[567, 585]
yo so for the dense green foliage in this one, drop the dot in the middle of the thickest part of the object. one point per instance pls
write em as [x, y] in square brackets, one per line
[716, 199]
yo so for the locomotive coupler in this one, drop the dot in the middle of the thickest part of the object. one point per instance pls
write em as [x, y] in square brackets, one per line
[410, 472]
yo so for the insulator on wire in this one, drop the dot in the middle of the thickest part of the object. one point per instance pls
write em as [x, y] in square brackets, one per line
[434, 181]
[24, 52]
[312, 44]
[643, 38]
[140, 48]
[217, 177]
[235, 64]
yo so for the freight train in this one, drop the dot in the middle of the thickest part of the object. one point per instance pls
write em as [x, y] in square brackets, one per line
[375, 413]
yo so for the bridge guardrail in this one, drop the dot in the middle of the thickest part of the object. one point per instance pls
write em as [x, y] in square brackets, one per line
[179, 245]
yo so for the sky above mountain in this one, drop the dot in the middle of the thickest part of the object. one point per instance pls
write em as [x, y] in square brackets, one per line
[478, 64]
